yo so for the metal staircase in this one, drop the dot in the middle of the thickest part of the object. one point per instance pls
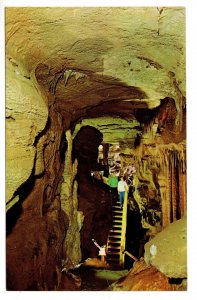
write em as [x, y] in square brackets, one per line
[117, 235]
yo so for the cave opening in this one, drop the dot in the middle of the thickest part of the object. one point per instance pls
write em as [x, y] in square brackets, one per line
[96, 161]
[135, 236]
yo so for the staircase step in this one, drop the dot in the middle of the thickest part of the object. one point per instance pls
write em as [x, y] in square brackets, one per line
[113, 233]
[118, 217]
[112, 237]
[117, 210]
[117, 222]
[111, 244]
[115, 236]
[114, 243]
[113, 247]
[115, 230]
[117, 227]
[112, 250]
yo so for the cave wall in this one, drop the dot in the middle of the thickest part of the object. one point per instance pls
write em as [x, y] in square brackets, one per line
[67, 208]
[160, 159]
[36, 224]
[160, 184]
[26, 117]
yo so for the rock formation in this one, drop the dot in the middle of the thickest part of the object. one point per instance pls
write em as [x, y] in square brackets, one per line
[75, 78]
[146, 278]
[170, 256]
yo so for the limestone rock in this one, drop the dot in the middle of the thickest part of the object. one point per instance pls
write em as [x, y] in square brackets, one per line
[69, 204]
[121, 62]
[26, 117]
[170, 256]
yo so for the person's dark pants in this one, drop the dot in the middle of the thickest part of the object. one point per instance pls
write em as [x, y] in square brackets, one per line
[114, 193]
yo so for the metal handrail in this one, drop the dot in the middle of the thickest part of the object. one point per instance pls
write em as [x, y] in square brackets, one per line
[123, 233]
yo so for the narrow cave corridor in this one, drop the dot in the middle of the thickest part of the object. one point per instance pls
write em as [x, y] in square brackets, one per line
[91, 104]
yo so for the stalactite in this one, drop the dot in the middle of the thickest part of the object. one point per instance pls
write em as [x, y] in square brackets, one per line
[182, 182]
[174, 186]
[164, 182]
[182, 193]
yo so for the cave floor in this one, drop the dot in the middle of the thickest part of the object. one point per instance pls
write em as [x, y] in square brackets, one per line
[98, 279]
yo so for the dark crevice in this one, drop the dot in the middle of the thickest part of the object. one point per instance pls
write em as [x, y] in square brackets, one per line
[23, 191]
[10, 118]
[175, 280]
[63, 147]
[12, 216]
[43, 132]
[135, 236]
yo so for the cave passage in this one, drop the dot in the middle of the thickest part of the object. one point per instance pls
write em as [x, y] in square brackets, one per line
[96, 162]
[93, 93]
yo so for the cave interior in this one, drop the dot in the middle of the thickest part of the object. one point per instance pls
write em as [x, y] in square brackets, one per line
[87, 90]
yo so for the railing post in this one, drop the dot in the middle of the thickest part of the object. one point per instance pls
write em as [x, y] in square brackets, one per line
[123, 234]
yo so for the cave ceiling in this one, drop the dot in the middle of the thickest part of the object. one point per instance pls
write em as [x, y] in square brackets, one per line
[100, 62]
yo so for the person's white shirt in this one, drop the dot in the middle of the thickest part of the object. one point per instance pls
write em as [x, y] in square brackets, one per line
[122, 186]
[102, 250]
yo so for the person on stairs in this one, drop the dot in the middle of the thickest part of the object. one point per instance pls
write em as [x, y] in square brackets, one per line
[113, 184]
[122, 188]
[102, 250]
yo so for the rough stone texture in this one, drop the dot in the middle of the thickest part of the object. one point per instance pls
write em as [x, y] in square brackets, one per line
[144, 278]
[69, 204]
[114, 130]
[36, 225]
[157, 189]
[69, 64]
[132, 48]
[171, 250]
[26, 117]
[32, 260]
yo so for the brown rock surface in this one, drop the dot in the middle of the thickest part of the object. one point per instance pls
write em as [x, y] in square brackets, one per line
[144, 278]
